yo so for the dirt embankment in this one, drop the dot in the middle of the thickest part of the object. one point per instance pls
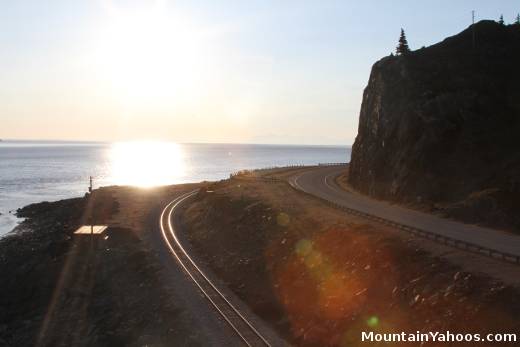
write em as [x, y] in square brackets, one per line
[321, 277]
[61, 289]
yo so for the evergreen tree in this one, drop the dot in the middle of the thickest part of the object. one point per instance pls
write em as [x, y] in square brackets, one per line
[517, 20]
[501, 20]
[402, 47]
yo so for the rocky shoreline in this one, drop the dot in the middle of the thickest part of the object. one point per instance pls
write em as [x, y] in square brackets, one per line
[28, 267]
[59, 289]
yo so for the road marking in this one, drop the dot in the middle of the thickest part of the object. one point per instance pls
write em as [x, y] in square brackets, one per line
[327, 182]
[294, 182]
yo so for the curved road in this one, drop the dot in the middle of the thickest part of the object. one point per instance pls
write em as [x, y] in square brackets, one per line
[321, 183]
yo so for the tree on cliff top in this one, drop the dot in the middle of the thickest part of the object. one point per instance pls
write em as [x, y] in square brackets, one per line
[517, 20]
[501, 20]
[402, 47]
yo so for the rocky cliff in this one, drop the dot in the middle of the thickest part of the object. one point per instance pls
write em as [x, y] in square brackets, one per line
[441, 126]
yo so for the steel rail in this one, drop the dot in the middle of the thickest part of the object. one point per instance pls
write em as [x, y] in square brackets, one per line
[236, 320]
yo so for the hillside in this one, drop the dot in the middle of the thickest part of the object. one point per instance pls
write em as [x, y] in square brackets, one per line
[440, 127]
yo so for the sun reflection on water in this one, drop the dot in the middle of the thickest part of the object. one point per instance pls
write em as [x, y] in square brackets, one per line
[146, 163]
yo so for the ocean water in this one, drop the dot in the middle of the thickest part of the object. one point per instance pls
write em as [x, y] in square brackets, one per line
[47, 171]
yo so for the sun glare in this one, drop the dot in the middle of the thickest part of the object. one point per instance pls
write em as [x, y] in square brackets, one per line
[146, 164]
[150, 53]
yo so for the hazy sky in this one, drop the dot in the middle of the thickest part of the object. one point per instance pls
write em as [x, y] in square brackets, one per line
[205, 71]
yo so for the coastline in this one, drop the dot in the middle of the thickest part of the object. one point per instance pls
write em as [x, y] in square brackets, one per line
[249, 233]
[35, 171]
[61, 289]
[11, 225]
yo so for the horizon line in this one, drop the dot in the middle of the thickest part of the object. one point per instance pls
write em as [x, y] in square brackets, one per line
[180, 143]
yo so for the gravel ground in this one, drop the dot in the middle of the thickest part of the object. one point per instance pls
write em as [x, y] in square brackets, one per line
[60, 289]
[320, 277]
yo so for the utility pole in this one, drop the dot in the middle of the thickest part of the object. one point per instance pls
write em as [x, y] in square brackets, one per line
[91, 212]
[473, 27]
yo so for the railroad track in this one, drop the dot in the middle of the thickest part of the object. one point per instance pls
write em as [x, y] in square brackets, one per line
[243, 328]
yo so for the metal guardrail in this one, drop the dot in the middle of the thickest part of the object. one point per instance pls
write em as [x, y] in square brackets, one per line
[463, 245]
[332, 164]
[258, 178]
[292, 166]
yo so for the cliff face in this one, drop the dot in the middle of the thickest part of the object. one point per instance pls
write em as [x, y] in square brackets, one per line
[442, 125]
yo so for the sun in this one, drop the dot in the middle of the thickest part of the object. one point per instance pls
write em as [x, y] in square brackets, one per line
[149, 53]
[146, 163]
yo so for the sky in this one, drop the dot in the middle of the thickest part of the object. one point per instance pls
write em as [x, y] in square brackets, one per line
[265, 71]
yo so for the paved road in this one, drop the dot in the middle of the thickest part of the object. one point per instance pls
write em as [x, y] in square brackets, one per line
[321, 182]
